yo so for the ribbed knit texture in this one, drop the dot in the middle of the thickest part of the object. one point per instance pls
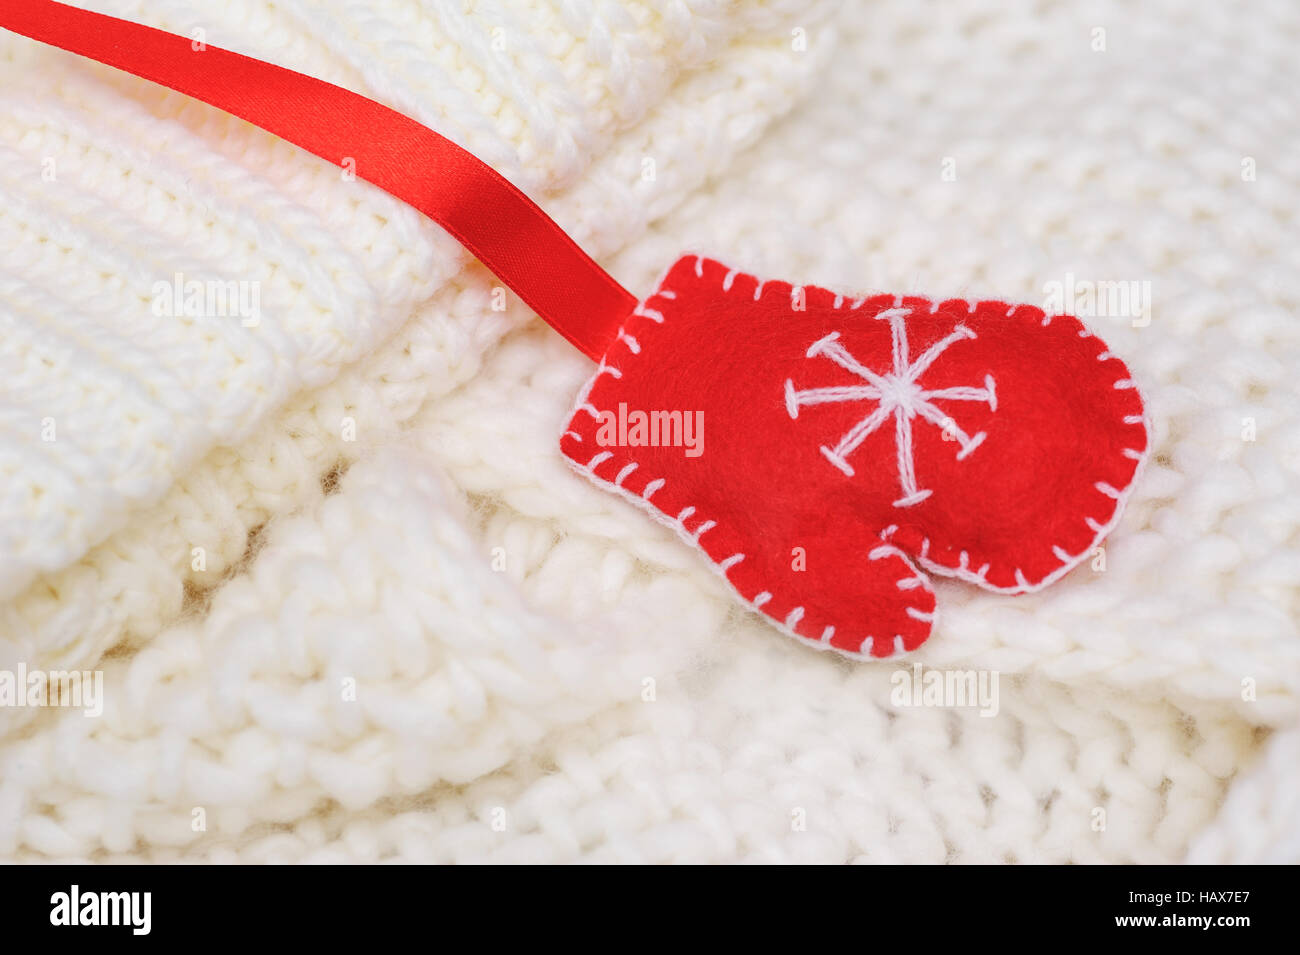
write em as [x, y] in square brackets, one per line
[600, 697]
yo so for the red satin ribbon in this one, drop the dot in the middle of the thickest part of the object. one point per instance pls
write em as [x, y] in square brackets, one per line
[501, 226]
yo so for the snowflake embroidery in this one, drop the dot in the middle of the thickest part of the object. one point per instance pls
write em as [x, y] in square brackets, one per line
[899, 394]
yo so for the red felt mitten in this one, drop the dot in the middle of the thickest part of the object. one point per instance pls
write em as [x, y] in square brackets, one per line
[813, 445]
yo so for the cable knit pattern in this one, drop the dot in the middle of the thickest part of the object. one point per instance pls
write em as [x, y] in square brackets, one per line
[434, 643]
[1257, 824]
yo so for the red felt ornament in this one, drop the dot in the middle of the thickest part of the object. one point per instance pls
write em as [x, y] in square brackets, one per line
[820, 448]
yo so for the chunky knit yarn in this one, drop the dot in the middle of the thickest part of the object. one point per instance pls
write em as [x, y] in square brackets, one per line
[351, 605]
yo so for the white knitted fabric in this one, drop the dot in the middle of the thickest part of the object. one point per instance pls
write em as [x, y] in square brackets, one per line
[434, 642]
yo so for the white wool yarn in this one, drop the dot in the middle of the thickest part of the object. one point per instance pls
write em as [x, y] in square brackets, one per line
[435, 643]
[1257, 824]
